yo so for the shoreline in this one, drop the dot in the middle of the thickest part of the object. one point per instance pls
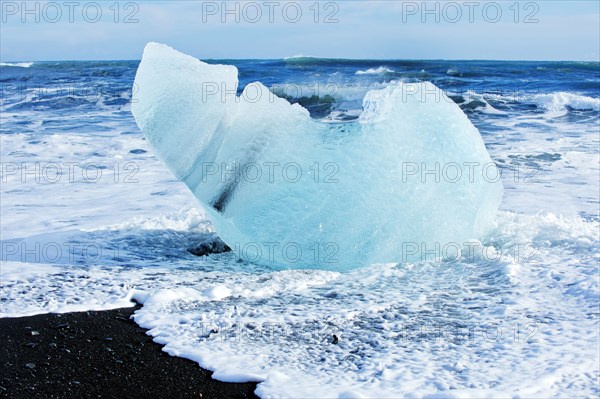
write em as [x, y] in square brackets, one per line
[98, 354]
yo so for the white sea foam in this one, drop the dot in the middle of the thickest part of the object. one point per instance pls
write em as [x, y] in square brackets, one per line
[429, 327]
[250, 323]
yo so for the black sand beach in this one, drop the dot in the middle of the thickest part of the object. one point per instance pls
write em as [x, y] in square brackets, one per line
[97, 355]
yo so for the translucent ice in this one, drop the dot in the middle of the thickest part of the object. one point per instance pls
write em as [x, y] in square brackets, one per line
[410, 179]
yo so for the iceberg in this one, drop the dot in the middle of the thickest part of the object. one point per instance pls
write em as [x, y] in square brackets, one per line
[409, 180]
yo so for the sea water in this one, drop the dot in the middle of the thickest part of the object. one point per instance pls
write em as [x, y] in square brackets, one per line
[91, 220]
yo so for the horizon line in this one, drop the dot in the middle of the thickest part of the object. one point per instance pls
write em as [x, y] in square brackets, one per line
[321, 58]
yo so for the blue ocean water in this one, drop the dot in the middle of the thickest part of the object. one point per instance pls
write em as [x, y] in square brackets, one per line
[71, 85]
[91, 219]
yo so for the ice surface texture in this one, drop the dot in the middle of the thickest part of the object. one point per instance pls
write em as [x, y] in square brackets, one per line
[411, 177]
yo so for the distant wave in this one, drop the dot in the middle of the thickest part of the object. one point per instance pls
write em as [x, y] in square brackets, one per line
[16, 64]
[331, 90]
[455, 72]
[298, 56]
[349, 96]
[555, 103]
[375, 71]
[301, 59]
[475, 102]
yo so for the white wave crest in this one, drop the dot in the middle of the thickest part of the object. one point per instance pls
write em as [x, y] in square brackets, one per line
[17, 64]
[375, 71]
[559, 102]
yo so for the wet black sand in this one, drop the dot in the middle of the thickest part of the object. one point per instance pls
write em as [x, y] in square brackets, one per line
[97, 354]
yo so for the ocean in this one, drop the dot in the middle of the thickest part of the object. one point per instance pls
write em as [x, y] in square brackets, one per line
[91, 220]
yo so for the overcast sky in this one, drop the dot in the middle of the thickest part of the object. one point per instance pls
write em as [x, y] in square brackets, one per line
[82, 30]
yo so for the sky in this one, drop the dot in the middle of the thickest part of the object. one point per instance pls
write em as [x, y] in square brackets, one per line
[366, 29]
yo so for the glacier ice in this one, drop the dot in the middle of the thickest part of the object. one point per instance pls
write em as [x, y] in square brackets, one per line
[409, 180]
